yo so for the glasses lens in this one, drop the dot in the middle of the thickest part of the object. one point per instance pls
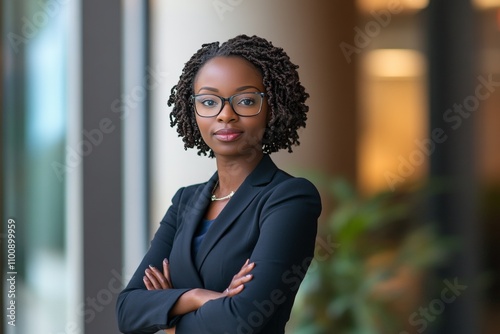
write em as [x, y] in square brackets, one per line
[247, 104]
[244, 104]
[207, 105]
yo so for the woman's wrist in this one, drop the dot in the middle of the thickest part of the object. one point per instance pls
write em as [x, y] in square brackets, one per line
[192, 300]
[202, 296]
[197, 297]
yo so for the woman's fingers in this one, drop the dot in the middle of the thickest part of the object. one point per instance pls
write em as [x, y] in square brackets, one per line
[247, 267]
[148, 283]
[242, 280]
[237, 285]
[235, 291]
[157, 278]
[242, 277]
[153, 280]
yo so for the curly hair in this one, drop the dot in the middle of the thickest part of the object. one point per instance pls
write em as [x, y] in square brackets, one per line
[286, 95]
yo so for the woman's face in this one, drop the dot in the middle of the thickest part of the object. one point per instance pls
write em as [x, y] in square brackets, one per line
[229, 134]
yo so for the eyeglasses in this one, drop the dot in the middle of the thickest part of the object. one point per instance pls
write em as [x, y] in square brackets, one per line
[244, 104]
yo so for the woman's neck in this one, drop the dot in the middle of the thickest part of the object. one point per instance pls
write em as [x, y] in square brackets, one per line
[232, 172]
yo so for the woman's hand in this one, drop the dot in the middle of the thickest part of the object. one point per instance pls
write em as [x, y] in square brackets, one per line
[156, 280]
[238, 282]
[194, 298]
[201, 296]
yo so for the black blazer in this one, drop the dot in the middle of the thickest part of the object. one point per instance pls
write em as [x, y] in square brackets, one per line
[271, 219]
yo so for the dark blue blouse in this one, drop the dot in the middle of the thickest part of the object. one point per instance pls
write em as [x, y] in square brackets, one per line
[200, 234]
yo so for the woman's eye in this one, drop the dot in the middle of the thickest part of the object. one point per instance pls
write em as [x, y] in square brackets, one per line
[209, 103]
[247, 102]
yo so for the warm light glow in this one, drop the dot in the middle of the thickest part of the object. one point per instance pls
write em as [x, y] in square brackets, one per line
[489, 60]
[394, 63]
[393, 120]
[405, 5]
[486, 4]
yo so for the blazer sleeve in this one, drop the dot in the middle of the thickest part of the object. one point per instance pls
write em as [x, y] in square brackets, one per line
[138, 309]
[282, 255]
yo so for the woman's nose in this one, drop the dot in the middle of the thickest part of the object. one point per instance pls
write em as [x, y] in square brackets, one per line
[227, 113]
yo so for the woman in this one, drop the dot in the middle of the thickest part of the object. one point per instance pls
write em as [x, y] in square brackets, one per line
[230, 253]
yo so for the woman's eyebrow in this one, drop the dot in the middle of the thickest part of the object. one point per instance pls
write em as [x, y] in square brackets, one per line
[239, 89]
[246, 87]
[209, 88]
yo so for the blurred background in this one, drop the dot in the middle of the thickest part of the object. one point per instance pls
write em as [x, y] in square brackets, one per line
[402, 140]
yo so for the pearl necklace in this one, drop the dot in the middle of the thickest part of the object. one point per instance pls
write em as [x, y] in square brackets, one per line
[214, 198]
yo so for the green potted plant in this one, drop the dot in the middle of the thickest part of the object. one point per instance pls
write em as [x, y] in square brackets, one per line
[374, 279]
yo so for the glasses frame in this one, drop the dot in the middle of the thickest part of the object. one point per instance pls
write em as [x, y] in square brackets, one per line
[230, 100]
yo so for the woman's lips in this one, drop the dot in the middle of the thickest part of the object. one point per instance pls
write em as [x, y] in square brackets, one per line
[227, 134]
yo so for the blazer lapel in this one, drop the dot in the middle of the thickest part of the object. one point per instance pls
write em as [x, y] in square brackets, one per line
[261, 175]
[194, 215]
